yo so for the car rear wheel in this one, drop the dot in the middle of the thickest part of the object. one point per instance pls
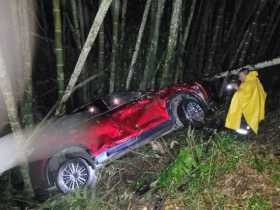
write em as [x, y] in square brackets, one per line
[192, 112]
[74, 174]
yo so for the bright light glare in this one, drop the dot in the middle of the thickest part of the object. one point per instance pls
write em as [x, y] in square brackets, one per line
[116, 101]
[229, 87]
[91, 109]
[242, 131]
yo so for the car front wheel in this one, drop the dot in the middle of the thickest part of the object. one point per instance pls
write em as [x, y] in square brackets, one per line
[192, 112]
[74, 174]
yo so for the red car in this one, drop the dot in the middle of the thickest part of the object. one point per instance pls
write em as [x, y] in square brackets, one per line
[72, 147]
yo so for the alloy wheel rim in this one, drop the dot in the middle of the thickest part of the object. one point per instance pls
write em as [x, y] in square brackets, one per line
[194, 111]
[74, 175]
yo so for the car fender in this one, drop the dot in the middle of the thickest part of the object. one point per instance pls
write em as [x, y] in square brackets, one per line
[68, 151]
[174, 102]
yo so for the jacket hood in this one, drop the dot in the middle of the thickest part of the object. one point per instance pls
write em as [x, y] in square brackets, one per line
[252, 76]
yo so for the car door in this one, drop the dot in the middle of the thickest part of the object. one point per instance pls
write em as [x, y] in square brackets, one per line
[139, 118]
[102, 131]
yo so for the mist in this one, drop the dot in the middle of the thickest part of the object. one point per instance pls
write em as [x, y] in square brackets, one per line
[16, 55]
[17, 148]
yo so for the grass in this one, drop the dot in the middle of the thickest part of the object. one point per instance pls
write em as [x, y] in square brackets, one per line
[231, 176]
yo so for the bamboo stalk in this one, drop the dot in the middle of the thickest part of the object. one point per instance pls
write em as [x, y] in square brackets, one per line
[152, 52]
[101, 52]
[9, 98]
[98, 20]
[79, 25]
[251, 32]
[115, 47]
[58, 46]
[182, 47]
[270, 31]
[213, 48]
[76, 31]
[261, 65]
[201, 47]
[123, 22]
[195, 38]
[240, 37]
[27, 50]
[172, 42]
[188, 26]
[138, 43]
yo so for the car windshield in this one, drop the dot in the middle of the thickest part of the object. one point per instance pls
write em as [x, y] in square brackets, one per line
[96, 107]
[118, 99]
[109, 102]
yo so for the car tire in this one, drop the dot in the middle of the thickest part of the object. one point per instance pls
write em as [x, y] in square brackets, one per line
[192, 112]
[75, 173]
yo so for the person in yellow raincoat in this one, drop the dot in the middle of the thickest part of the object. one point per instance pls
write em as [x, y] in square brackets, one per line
[248, 102]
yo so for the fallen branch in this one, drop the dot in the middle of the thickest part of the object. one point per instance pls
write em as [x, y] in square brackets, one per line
[88, 80]
[261, 65]
[98, 20]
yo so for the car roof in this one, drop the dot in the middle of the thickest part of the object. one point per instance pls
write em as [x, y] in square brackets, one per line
[137, 95]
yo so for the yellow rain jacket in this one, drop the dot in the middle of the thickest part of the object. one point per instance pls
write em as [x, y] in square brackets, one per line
[249, 101]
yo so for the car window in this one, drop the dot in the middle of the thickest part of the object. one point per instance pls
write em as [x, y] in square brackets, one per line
[119, 99]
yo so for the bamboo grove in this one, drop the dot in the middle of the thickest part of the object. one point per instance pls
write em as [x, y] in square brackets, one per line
[87, 48]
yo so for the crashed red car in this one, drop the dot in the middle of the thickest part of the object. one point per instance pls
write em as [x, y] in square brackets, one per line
[74, 146]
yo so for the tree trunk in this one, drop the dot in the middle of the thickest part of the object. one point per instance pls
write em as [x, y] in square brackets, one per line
[150, 66]
[58, 46]
[172, 42]
[115, 44]
[138, 43]
[98, 20]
